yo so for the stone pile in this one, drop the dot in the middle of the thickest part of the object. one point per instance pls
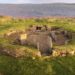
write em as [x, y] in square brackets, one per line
[63, 53]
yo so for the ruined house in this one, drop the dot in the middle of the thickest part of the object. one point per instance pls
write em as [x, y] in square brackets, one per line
[38, 36]
[43, 38]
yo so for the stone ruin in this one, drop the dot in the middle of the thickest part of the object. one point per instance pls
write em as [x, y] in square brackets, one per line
[60, 36]
[38, 37]
[43, 38]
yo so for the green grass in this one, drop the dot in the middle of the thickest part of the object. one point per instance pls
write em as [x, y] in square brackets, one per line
[22, 24]
[29, 66]
[38, 66]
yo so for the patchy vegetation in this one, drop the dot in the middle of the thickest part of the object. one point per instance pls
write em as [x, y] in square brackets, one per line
[32, 63]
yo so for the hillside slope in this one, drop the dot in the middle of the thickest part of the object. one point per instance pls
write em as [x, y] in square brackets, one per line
[30, 10]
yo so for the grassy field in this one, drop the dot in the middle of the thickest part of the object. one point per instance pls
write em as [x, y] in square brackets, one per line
[40, 65]
[29, 66]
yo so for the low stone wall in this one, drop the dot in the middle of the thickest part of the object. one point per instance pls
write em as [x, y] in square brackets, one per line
[18, 52]
[63, 53]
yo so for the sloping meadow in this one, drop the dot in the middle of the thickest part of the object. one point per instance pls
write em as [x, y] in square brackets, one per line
[31, 64]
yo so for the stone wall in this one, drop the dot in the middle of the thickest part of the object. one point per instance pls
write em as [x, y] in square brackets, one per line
[41, 42]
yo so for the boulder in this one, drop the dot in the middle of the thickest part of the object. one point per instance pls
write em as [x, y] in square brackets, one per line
[56, 53]
[72, 52]
[37, 54]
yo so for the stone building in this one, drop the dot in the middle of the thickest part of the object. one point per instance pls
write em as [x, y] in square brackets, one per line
[38, 36]
[43, 38]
